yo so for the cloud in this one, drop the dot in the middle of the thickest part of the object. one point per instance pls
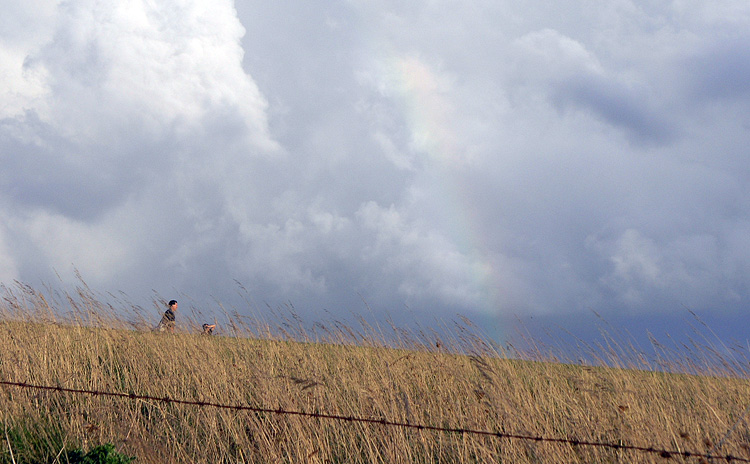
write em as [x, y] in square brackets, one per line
[24, 26]
[167, 65]
[125, 85]
[8, 269]
[688, 268]
[574, 78]
[720, 69]
[425, 263]
[492, 158]
[572, 128]
[120, 97]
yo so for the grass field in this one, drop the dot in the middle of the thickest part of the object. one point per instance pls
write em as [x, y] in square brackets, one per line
[463, 381]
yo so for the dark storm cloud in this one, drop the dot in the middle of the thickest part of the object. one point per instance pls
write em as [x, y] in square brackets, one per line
[615, 105]
[721, 69]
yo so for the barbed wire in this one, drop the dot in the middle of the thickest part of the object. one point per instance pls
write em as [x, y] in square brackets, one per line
[664, 453]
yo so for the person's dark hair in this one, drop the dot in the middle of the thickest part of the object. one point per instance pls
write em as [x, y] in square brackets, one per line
[172, 302]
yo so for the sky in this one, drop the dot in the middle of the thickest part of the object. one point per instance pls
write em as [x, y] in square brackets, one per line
[499, 159]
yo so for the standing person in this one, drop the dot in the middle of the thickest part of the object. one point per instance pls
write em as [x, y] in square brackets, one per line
[167, 320]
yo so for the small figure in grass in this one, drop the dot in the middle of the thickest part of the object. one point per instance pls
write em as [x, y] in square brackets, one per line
[208, 329]
[167, 320]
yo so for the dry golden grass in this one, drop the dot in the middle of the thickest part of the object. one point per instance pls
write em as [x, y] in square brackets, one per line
[464, 383]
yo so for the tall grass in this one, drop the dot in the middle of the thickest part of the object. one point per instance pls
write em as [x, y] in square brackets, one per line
[689, 401]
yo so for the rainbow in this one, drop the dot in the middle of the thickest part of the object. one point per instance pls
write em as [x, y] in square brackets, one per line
[421, 95]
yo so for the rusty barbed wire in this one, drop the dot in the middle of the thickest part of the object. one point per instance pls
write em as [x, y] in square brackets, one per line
[664, 453]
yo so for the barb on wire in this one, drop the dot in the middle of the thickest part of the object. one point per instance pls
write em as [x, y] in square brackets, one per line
[664, 453]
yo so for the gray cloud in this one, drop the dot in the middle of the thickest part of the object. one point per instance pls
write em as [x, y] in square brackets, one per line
[488, 159]
[616, 105]
[720, 69]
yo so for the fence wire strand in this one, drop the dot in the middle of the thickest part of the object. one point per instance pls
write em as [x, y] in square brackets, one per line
[664, 453]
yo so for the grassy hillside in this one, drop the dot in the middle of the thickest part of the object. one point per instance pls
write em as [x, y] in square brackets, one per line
[459, 383]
